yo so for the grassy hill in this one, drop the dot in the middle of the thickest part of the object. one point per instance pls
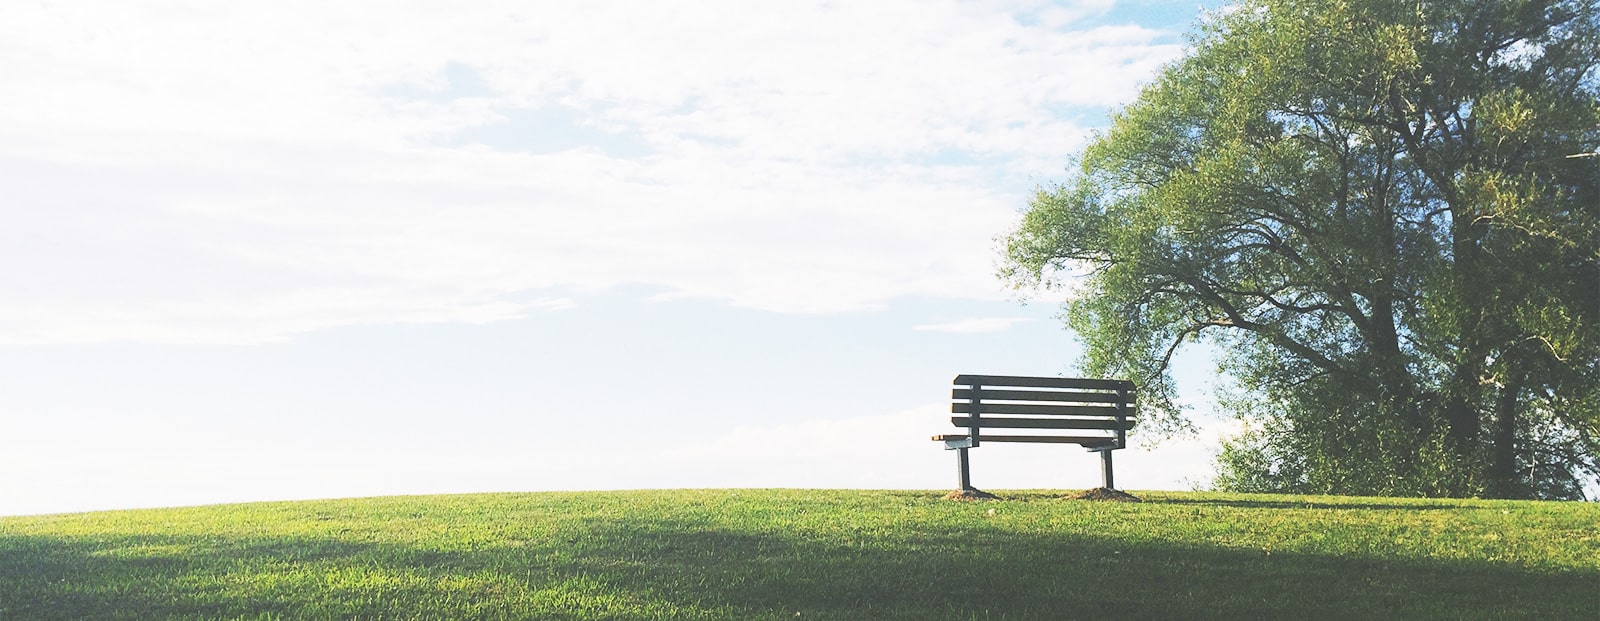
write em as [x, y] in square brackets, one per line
[764, 554]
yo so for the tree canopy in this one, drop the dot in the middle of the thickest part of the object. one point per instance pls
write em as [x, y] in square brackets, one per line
[1386, 213]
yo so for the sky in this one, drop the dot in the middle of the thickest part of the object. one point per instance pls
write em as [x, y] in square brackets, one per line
[286, 250]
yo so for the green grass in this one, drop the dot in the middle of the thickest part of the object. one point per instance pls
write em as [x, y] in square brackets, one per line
[749, 554]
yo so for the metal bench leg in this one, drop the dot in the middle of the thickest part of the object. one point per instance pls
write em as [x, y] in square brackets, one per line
[964, 470]
[1105, 469]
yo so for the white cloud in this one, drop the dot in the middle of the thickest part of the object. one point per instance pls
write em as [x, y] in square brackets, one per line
[245, 171]
[974, 326]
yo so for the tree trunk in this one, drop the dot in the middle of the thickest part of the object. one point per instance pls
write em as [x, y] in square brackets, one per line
[1503, 481]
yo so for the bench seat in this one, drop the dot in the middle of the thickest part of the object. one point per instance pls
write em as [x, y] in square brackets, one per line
[1087, 441]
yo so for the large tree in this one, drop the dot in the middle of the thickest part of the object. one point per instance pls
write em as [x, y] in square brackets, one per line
[1386, 213]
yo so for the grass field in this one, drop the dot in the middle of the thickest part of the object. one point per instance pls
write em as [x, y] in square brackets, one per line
[765, 554]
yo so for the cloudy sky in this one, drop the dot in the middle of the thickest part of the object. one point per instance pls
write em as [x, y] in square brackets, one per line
[276, 250]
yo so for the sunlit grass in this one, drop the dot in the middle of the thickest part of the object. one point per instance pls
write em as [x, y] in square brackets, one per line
[765, 554]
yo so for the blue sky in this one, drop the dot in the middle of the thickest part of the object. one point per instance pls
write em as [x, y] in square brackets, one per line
[280, 250]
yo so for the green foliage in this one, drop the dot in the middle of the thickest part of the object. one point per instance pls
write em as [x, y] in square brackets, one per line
[768, 554]
[1383, 211]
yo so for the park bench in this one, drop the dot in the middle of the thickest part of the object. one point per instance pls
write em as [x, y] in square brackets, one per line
[1093, 413]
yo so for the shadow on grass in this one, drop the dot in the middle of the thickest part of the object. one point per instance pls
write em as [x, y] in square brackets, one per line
[640, 568]
[1313, 504]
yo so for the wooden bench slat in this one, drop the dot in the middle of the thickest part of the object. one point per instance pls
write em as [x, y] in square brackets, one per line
[1046, 410]
[1083, 440]
[994, 402]
[987, 395]
[1043, 382]
[1041, 423]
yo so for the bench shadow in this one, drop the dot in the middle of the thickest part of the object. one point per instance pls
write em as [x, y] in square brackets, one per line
[1312, 504]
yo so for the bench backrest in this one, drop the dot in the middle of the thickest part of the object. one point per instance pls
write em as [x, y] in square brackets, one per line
[1051, 403]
